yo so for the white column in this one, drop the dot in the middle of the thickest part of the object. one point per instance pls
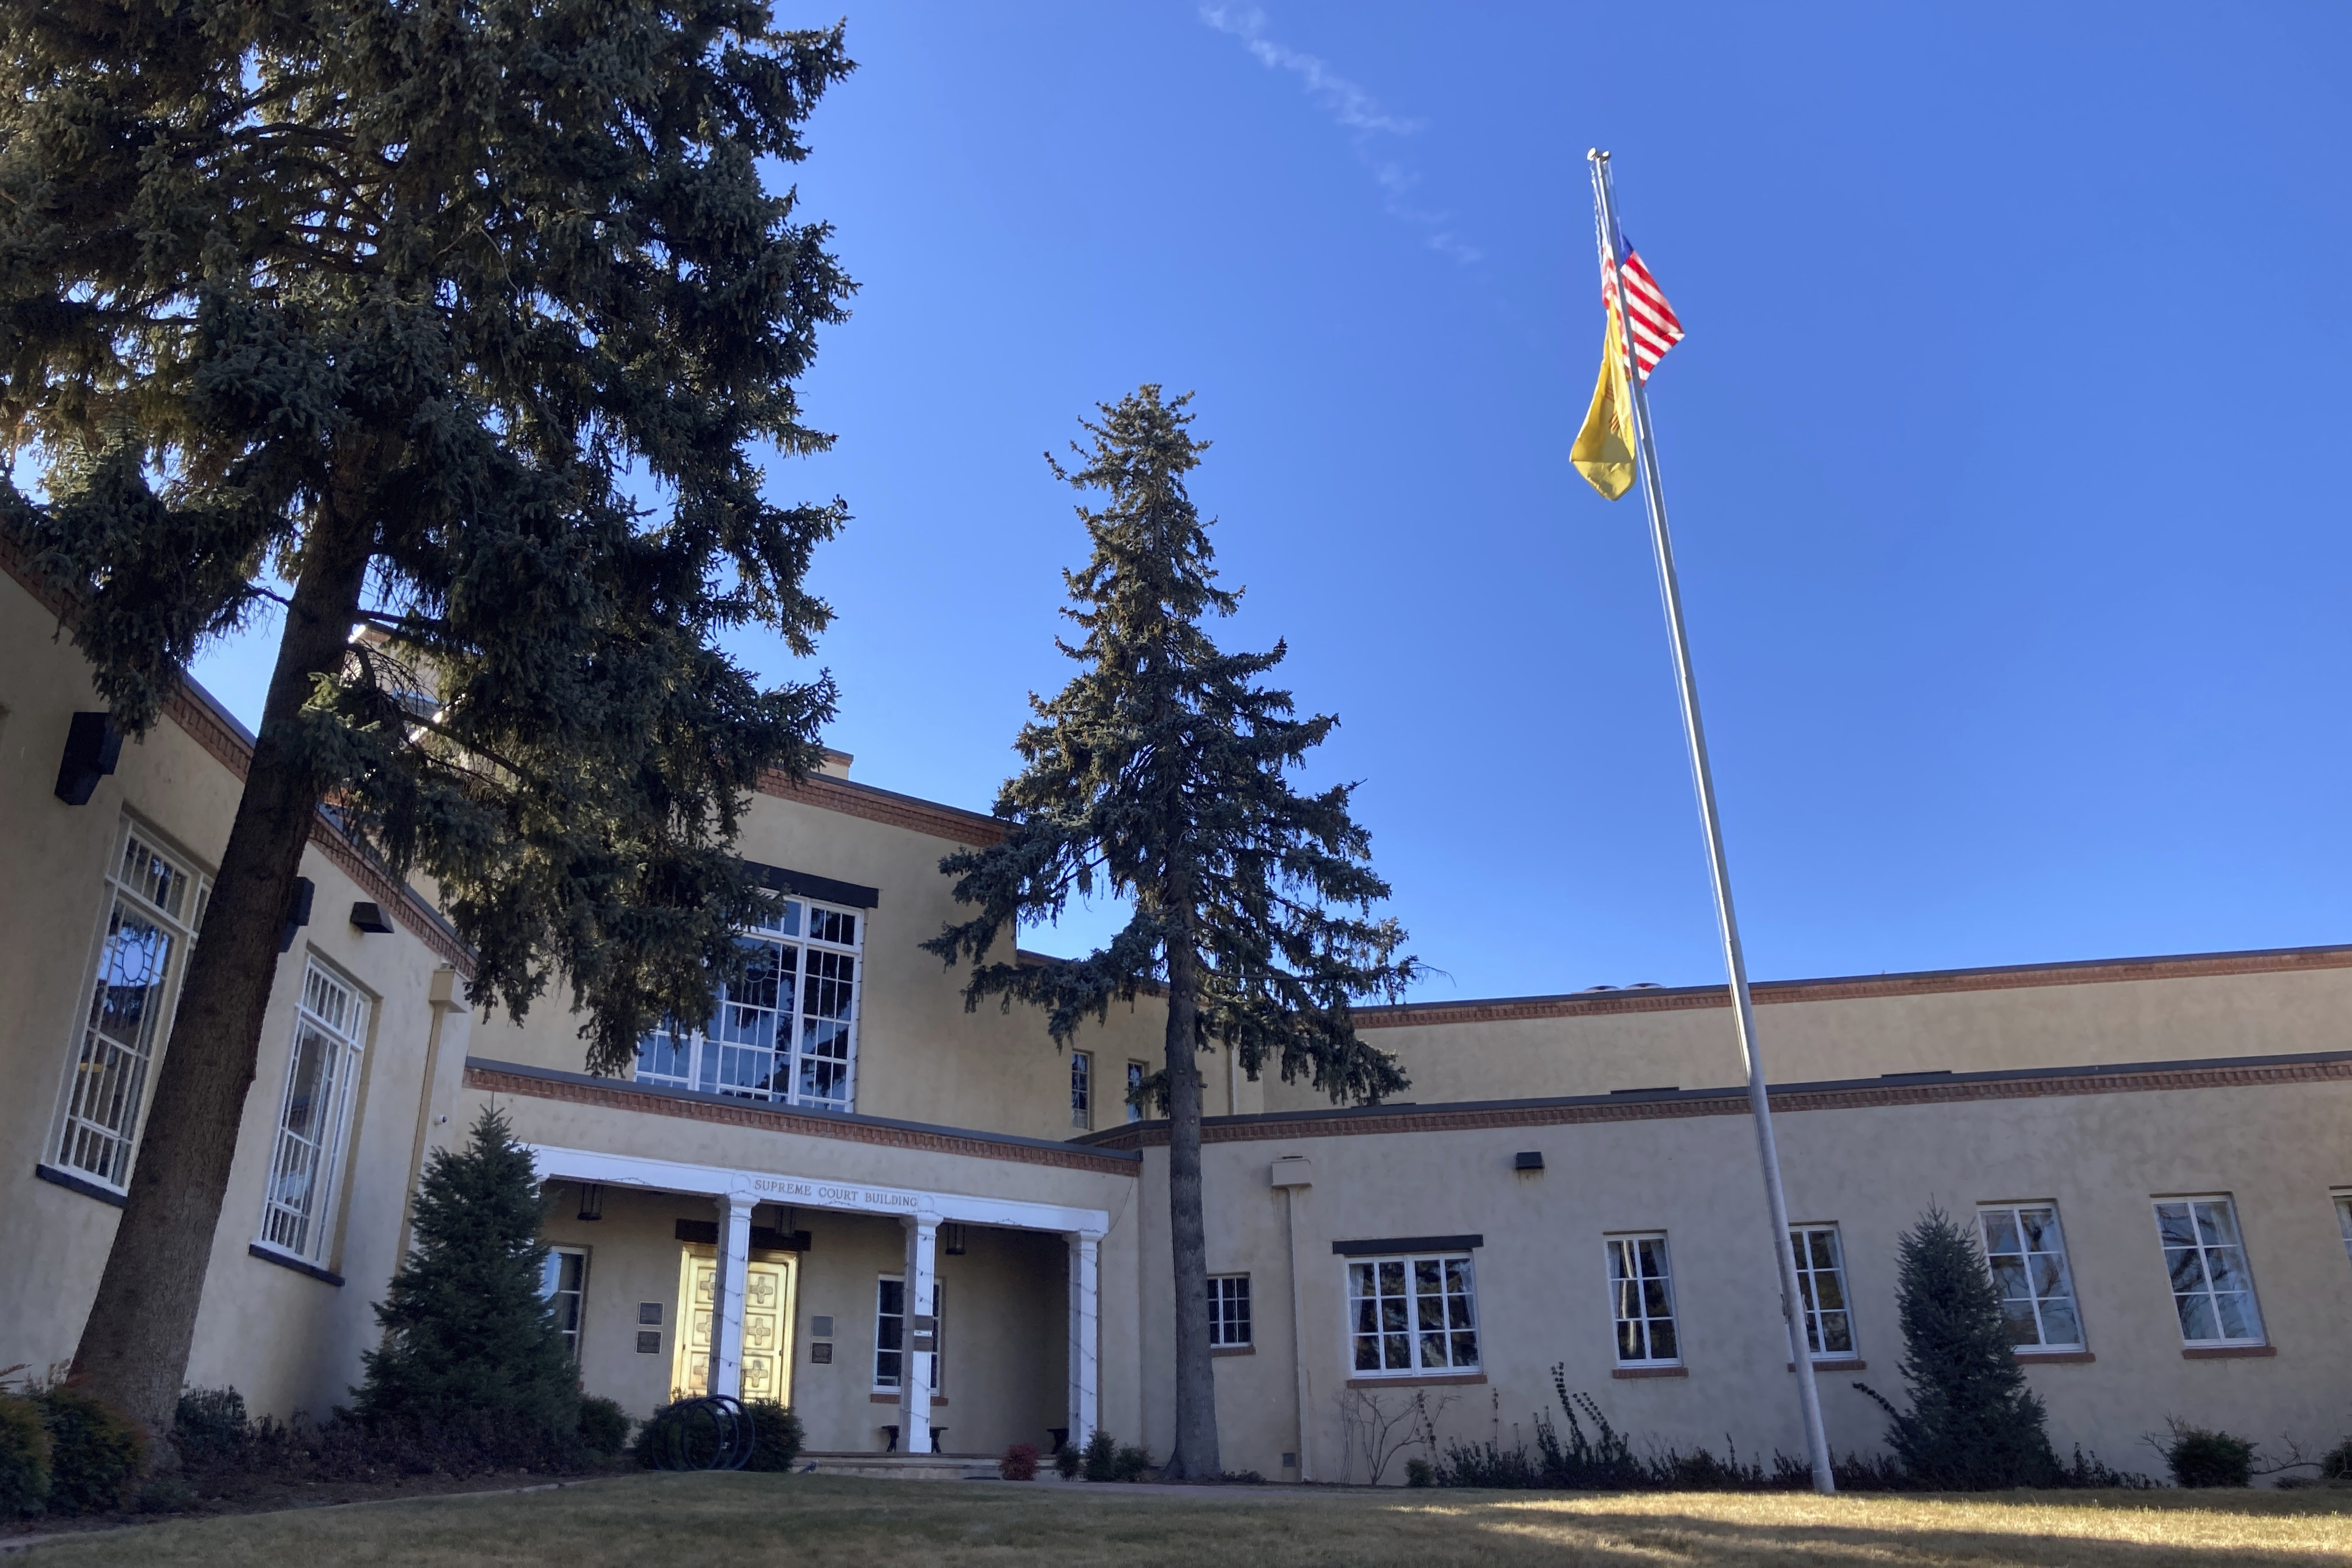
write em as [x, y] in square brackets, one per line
[921, 1338]
[727, 1295]
[1085, 1364]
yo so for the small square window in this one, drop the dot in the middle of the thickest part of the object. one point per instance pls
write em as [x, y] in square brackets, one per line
[820, 1327]
[2212, 1288]
[1821, 1284]
[820, 1353]
[649, 1311]
[2027, 1254]
[1642, 1293]
[1229, 1311]
[649, 1341]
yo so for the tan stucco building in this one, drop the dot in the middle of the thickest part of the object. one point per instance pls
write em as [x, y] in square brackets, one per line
[923, 1226]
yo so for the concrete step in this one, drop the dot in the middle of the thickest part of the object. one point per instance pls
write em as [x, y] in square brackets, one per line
[900, 1467]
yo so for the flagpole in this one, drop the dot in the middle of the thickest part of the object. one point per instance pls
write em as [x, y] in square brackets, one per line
[1759, 1102]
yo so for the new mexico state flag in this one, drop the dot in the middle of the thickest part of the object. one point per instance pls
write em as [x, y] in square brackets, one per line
[1603, 451]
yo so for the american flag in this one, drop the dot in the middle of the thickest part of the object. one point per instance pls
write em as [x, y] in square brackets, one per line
[1652, 321]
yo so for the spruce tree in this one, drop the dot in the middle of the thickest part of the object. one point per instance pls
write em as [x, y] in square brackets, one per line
[1973, 1425]
[1158, 774]
[467, 1333]
[465, 322]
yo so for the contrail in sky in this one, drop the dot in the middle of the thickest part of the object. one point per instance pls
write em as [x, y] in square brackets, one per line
[1357, 112]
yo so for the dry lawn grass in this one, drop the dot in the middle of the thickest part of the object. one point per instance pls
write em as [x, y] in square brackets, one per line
[843, 1523]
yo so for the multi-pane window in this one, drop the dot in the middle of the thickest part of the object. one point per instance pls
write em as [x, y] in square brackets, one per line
[2027, 1254]
[1082, 1089]
[2212, 1289]
[306, 1161]
[788, 1028]
[1642, 1287]
[563, 1281]
[1820, 1284]
[1413, 1314]
[1135, 1076]
[890, 1333]
[1229, 1312]
[152, 904]
[2344, 1220]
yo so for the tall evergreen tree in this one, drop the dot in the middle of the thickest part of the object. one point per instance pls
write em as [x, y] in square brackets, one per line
[467, 1332]
[1160, 775]
[464, 321]
[1973, 1425]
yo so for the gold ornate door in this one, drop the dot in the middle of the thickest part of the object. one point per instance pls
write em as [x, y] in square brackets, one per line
[767, 1325]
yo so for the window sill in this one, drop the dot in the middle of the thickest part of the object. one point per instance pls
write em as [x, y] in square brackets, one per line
[1232, 1349]
[1649, 1371]
[81, 1185]
[936, 1399]
[288, 1260]
[1834, 1363]
[2056, 1358]
[1414, 1380]
[2226, 1352]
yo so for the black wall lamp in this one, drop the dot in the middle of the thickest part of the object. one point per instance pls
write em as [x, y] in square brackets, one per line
[591, 1203]
[370, 918]
[93, 745]
[297, 915]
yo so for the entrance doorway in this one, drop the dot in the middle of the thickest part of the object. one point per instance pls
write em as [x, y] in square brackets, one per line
[769, 1294]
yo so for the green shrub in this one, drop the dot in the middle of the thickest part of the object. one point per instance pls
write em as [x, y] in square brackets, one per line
[94, 1450]
[1101, 1460]
[1973, 1425]
[604, 1425]
[1019, 1464]
[2335, 1464]
[166, 1494]
[1419, 1473]
[469, 1344]
[23, 1457]
[777, 1440]
[211, 1424]
[1129, 1463]
[1066, 1461]
[2200, 1457]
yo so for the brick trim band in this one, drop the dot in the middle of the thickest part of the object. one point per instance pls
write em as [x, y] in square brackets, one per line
[889, 807]
[1675, 999]
[2334, 1066]
[620, 1096]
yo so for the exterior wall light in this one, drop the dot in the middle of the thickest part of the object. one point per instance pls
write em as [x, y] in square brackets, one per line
[93, 745]
[298, 915]
[1527, 1160]
[592, 1197]
[370, 918]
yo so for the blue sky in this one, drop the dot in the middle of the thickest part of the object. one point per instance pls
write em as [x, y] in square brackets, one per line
[2003, 451]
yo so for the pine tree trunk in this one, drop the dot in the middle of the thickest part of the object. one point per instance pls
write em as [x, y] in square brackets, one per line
[134, 1347]
[1195, 1457]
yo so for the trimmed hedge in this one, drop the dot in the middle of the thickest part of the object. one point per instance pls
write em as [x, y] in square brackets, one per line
[23, 1457]
[95, 1450]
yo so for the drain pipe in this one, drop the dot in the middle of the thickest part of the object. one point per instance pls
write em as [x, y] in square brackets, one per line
[1292, 1175]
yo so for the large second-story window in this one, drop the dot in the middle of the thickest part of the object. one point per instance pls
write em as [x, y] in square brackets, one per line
[152, 904]
[788, 1029]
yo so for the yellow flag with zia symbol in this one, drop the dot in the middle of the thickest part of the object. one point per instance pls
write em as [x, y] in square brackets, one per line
[1603, 450]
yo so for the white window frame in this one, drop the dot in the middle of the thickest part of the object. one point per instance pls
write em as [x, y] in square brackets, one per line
[1810, 1274]
[1136, 1073]
[1229, 1298]
[2343, 1199]
[126, 1068]
[2203, 1251]
[2035, 1299]
[1628, 1286]
[939, 1335]
[1082, 1089]
[1367, 1269]
[304, 1183]
[743, 1061]
[553, 1290]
